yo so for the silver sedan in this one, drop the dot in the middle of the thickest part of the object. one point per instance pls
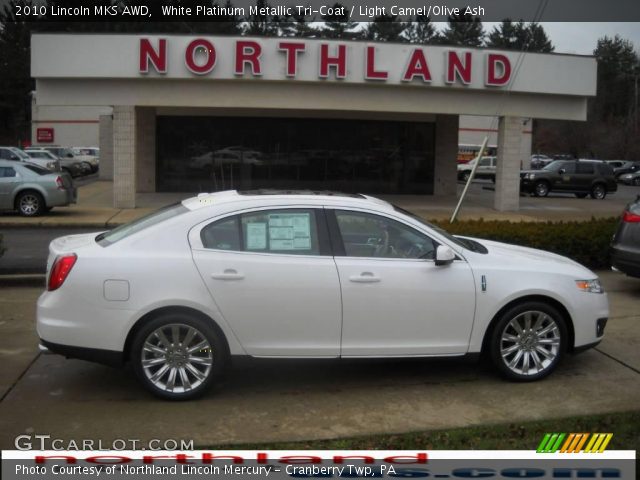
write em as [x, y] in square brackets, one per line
[32, 190]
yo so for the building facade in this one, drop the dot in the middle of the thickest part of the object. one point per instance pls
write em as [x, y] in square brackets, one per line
[200, 113]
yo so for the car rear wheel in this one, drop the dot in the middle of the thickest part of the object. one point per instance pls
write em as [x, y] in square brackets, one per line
[528, 341]
[541, 189]
[30, 204]
[581, 195]
[465, 176]
[598, 192]
[178, 356]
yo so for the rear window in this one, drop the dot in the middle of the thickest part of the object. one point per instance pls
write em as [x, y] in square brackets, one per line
[108, 238]
[36, 169]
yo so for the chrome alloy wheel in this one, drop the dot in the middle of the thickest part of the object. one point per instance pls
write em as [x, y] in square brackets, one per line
[29, 204]
[176, 358]
[530, 343]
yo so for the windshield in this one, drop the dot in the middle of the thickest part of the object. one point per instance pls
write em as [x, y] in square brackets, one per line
[553, 166]
[36, 168]
[20, 153]
[461, 242]
[123, 231]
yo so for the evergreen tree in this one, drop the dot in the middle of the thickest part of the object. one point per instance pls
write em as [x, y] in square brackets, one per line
[420, 30]
[339, 26]
[385, 28]
[261, 24]
[463, 30]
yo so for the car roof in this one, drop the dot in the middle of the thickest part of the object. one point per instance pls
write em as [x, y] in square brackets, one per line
[235, 196]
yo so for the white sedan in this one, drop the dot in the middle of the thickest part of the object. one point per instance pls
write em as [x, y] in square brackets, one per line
[307, 275]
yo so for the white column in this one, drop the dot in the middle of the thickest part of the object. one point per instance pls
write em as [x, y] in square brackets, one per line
[124, 158]
[507, 195]
[106, 147]
[446, 153]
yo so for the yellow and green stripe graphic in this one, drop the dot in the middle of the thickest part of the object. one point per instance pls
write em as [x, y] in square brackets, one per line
[574, 442]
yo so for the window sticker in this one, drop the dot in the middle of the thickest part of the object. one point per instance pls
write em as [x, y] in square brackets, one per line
[256, 236]
[290, 231]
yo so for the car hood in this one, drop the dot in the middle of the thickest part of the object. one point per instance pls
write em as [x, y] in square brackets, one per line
[515, 255]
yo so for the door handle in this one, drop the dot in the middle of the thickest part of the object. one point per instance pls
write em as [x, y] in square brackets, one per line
[228, 274]
[365, 277]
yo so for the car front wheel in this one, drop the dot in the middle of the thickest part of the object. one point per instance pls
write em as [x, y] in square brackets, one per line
[598, 192]
[541, 189]
[177, 357]
[30, 204]
[636, 181]
[528, 341]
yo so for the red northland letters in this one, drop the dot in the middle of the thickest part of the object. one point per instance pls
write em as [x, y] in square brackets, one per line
[201, 54]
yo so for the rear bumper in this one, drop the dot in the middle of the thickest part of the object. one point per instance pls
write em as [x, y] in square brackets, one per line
[105, 357]
[626, 261]
[60, 198]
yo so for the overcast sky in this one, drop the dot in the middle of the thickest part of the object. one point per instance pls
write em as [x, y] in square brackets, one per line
[582, 37]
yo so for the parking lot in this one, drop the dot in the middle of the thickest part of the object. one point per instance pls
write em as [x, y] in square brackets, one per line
[272, 400]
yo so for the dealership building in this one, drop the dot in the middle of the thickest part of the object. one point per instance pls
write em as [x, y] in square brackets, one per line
[205, 113]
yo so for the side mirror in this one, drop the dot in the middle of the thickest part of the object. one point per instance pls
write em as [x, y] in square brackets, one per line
[13, 157]
[69, 155]
[444, 255]
[561, 171]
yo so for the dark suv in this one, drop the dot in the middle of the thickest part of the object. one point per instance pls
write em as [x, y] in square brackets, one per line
[625, 247]
[581, 177]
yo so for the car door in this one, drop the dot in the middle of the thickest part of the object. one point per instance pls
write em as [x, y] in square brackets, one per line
[8, 182]
[565, 178]
[584, 176]
[271, 274]
[395, 300]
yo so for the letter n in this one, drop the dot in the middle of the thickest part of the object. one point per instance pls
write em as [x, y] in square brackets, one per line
[158, 58]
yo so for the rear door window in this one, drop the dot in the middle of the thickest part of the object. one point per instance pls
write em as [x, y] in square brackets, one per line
[585, 168]
[286, 231]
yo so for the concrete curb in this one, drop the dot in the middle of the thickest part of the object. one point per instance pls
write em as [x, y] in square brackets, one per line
[23, 280]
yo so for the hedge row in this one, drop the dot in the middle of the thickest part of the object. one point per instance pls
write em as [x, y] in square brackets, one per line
[585, 242]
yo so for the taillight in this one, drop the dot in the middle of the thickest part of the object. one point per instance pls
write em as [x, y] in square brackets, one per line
[60, 183]
[629, 217]
[60, 270]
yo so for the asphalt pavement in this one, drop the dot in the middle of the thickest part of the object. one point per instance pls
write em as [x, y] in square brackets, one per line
[27, 248]
[283, 400]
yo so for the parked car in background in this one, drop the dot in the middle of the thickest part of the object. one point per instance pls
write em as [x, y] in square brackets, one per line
[14, 154]
[539, 161]
[93, 151]
[244, 267]
[32, 190]
[486, 169]
[626, 167]
[625, 246]
[580, 177]
[90, 163]
[91, 155]
[630, 178]
[67, 164]
[44, 159]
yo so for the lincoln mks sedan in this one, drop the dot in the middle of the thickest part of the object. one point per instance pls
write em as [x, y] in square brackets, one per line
[305, 274]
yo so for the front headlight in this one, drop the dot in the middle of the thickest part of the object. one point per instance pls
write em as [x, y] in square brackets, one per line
[627, 176]
[531, 176]
[51, 165]
[590, 286]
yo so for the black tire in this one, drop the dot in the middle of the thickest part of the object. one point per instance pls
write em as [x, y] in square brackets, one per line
[175, 357]
[636, 181]
[581, 195]
[30, 204]
[598, 191]
[527, 342]
[541, 189]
